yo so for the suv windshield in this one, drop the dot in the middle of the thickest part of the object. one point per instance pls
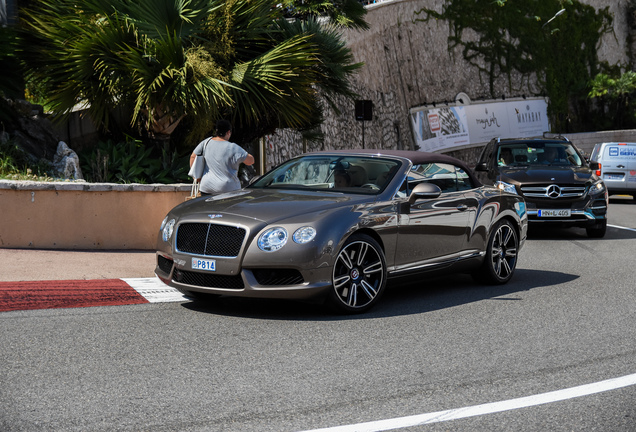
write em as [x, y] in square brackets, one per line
[538, 153]
[351, 174]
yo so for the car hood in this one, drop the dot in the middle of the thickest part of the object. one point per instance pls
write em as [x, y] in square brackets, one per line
[546, 174]
[271, 205]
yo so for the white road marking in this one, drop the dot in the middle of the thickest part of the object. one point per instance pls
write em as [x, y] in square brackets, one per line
[154, 290]
[489, 408]
[620, 227]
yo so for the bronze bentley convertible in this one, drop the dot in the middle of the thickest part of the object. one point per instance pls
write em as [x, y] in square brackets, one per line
[338, 225]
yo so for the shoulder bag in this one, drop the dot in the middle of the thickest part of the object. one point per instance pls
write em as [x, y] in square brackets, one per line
[196, 172]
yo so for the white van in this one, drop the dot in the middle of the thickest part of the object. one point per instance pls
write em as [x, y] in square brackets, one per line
[616, 166]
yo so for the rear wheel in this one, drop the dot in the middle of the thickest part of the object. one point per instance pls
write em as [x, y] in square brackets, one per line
[597, 231]
[501, 255]
[359, 275]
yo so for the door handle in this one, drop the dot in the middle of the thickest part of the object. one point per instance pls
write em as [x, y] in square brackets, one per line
[620, 166]
[462, 207]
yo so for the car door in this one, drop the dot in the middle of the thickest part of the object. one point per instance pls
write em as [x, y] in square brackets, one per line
[433, 232]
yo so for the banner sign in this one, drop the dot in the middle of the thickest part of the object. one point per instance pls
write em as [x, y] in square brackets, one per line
[443, 128]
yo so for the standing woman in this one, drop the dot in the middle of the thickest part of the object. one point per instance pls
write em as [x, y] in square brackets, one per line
[222, 161]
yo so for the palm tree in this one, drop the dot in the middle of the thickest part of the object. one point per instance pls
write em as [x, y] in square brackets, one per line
[168, 60]
[345, 13]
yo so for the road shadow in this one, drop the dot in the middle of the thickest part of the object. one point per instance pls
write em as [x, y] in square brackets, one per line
[622, 199]
[401, 298]
[579, 234]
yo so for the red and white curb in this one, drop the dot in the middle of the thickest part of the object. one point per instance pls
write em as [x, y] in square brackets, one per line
[53, 294]
[155, 291]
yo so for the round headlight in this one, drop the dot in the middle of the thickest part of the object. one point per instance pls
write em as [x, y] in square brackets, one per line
[304, 235]
[168, 229]
[163, 223]
[272, 239]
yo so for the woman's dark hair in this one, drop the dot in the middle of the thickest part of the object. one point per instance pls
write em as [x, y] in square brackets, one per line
[222, 127]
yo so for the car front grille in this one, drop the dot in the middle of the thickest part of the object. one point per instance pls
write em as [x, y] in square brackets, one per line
[278, 276]
[208, 280]
[210, 239]
[553, 191]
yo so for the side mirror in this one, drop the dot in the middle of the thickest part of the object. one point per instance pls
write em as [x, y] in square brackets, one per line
[595, 166]
[481, 167]
[424, 191]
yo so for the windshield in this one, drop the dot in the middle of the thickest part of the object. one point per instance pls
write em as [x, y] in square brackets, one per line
[351, 174]
[538, 153]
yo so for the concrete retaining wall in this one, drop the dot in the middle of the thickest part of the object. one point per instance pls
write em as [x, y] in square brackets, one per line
[585, 141]
[59, 215]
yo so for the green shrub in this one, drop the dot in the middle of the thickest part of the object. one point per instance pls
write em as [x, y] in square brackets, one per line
[132, 162]
[15, 164]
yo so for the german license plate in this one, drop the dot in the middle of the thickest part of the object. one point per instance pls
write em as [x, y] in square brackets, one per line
[555, 213]
[203, 264]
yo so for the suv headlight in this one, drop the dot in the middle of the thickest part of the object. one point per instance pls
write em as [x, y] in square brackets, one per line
[597, 188]
[506, 187]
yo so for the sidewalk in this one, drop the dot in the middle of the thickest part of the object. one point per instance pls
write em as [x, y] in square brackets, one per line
[36, 265]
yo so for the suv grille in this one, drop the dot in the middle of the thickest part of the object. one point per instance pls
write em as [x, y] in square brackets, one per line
[210, 239]
[553, 191]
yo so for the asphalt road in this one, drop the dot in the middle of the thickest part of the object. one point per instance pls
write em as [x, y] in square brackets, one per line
[566, 319]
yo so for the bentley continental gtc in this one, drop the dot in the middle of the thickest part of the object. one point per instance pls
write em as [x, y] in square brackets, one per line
[337, 226]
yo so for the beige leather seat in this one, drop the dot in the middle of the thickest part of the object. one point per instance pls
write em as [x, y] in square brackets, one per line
[358, 175]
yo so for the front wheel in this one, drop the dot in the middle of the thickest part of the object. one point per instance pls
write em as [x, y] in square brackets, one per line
[500, 260]
[359, 275]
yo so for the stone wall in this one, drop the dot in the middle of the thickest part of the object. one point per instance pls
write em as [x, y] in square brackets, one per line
[407, 64]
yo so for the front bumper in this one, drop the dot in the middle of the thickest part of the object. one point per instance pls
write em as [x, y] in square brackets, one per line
[269, 282]
[583, 213]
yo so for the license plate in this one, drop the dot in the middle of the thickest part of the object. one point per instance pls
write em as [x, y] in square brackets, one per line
[613, 177]
[555, 213]
[203, 264]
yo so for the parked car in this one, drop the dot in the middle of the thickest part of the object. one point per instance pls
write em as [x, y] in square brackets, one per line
[299, 233]
[558, 185]
[616, 165]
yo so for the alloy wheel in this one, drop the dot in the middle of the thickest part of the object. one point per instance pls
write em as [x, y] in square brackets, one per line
[503, 252]
[359, 275]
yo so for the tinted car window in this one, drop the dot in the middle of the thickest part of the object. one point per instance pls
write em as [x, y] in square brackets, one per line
[538, 153]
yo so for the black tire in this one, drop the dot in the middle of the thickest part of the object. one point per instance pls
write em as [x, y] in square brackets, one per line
[500, 260]
[358, 276]
[597, 231]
